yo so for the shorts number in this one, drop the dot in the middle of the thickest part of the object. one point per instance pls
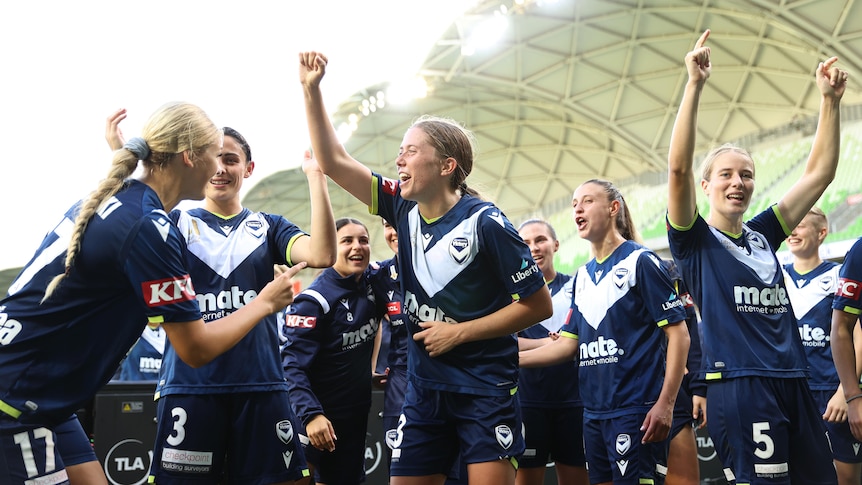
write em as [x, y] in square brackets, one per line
[760, 437]
[180, 418]
[23, 441]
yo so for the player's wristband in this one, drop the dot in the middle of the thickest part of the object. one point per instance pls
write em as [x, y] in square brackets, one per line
[857, 396]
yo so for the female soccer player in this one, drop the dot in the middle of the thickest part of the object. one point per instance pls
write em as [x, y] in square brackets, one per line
[462, 359]
[232, 407]
[811, 286]
[114, 262]
[550, 402]
[624, 306]
[330, 330]
[751, 345]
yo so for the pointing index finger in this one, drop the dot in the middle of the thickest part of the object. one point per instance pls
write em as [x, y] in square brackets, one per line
[702, 40]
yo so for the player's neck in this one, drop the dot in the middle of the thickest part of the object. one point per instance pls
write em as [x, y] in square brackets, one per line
[803, 265]
[225, 208]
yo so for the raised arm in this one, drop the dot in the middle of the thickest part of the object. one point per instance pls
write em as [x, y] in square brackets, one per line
[198, 343]
[682, 202]
[823, 160]
[333, 159]
[318, 250]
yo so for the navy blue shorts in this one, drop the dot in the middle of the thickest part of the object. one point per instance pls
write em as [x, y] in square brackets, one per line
[30, 453]
[553, 434]
[212, 436]
[73, 444]
[845, 447]
[682, 410]
[769, 430]
[347, 463]
[615, 453]
[485, 428]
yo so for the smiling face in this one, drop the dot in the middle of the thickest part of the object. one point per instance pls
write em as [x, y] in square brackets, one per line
[420, 167]
[225, 185]
[805, 239]
[205, 163]
[729, 184]
[538, 237]
[593, 212]
[353, 252]
[390, 236]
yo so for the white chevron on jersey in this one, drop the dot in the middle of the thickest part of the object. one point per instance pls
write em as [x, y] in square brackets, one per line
[448, 257]
[221, 253]
[806, 293]
[561, 301]
[594, 299]
[156, 338]
[760, 259]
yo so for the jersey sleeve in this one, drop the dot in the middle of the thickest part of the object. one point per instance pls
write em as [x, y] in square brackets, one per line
[154, 265]
[771, 224]
[510, 256]
[657, 291]
[385, 194]
[283, 235]
[299, 352]
[847, 298]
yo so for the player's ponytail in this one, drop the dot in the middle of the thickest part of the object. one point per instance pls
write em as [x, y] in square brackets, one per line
[173, 129]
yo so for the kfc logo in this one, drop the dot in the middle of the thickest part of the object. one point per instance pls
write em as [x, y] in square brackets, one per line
[168, 291]
[300, 321]
[848, 288]
[389, 186]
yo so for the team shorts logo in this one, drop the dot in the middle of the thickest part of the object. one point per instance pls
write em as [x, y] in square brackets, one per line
[300, 321]
[624, 444]
[504, 436]
[284, 431]
[848, 288]
[459, 249]
[168, 291]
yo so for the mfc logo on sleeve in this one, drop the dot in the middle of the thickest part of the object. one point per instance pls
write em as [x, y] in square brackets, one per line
[167, 291]
[848, 288]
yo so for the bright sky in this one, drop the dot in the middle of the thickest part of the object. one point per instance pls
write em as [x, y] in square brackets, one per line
[68, 65]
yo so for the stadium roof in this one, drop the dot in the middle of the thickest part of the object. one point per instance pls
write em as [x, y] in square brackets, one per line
[578, 89]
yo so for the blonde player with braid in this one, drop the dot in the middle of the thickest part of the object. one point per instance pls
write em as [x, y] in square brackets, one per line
[112, 263]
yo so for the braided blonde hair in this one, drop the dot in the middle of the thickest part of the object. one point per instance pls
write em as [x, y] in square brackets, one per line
[172, 129]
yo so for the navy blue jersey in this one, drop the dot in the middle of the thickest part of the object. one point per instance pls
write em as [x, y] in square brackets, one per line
[143, 362]
[131, 268]
[811, 296]
[232, 260]
[847, 298]
[555, 386]
[471, 250]
[329, 331]
[747, 323]
[387, 291]
[619, 307]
